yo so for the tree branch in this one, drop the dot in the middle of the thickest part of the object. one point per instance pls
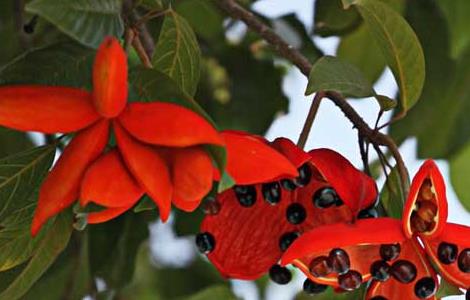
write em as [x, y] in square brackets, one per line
[234, 10]
[312, 113]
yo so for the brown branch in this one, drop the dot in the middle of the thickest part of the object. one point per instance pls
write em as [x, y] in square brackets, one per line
[309, 120]
[234, 10]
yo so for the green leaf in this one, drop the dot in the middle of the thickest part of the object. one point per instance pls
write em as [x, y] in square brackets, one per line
[400, 46]
[392, 196]
[204, 18]
[359, 48]
[213, 292]
[145, 203]
[66, 63]
[20, 175]
[331, 74]
[86, 21]
[440, 93]
[330, 294]
[456, 13]
[47, 251]
[177, 53]
[331, 19]
[385, 102]
[459, 170]
[447, 289]
[12, 142]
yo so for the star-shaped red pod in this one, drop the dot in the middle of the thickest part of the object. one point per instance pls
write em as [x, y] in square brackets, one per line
[159, 145]
[396, 255]
[249, 226]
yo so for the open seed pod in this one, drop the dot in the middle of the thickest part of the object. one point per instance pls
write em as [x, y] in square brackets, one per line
[256, 223]
[425, 211]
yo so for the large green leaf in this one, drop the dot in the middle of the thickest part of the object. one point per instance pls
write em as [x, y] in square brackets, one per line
[359, 48]
[177, 53]
[45, 254]
[331, 74]
[86, 21]
[457, 12]
[213, 292]
[438, 95]
[400, 46]
[332, 19]
[392, 196]
[66, 63]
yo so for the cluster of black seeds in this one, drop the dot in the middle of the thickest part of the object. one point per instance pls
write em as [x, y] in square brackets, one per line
[448, 254]
[401, 270]
[337, 262]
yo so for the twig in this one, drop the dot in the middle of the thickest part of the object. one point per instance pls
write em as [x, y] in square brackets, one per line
[364, 153]
[285, 50]
[309, 120]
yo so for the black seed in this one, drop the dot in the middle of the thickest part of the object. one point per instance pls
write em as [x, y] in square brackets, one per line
[464, 260]
[288, 184]
[380, 270]
[205, 242]
[447, 253]
[425, 287]
[390, 252]
[319, 266]
[305, 174]
[287, 239]
[325, 197]
[467, 295]
[246, 195]
[271, 192]
[338, 260]
[350, 281]
[368, 214]
[296, 213]
[313, 288]
[280, 275]
[403, 271]
[378, 298]
[211, 206]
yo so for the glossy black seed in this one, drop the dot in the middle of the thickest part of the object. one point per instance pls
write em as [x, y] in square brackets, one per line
[319, 266]
[378, 298]
[288, 184]
[390, 252]
[287, 239]
[312, 288]
[464, 260]
[246, 195]
[403, 271]
[211, 206]
[325, 197]
[305, 175]
[425, 287]
[447, 253]
[280, 275]
[467, 295]
[368, 214]
[380, 270]
[338, 260]
[296, 213]
[205, 242]
[271, 192]
[350, 281]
